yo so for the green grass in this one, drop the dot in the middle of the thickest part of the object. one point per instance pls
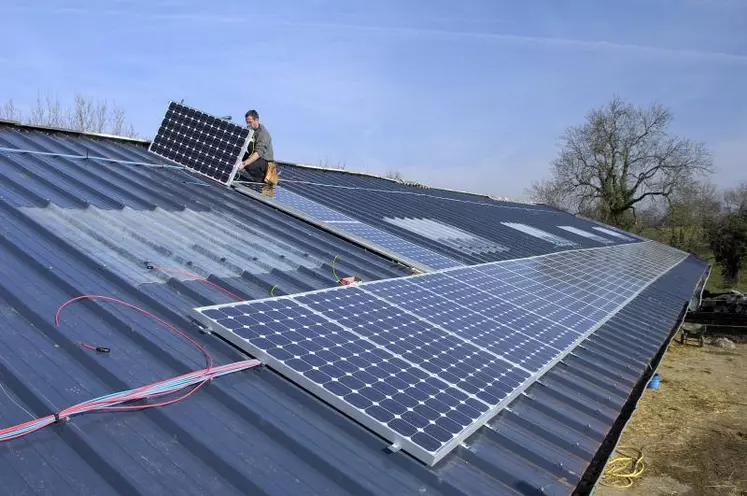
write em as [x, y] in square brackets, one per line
[716, 281]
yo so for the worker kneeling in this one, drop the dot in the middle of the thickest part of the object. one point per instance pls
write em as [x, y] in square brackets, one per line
[258, 164]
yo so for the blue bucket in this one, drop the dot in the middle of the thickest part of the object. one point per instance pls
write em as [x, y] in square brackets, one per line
[654, 384]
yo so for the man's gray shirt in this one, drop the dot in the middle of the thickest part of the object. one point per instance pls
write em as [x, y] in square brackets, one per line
[262, 143]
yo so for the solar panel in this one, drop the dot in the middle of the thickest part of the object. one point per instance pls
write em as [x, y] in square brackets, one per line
[309, 207]
[613, 233]
[539, 233]
[426, 360]
[399, 248]
[200, 142]
[429, 258]
[448, 235]
[586, 234]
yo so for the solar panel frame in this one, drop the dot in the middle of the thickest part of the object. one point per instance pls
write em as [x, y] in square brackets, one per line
[204, 148]
[656, 269]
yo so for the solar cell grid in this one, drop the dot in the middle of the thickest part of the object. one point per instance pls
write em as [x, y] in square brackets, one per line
[400, 245]
[310, 207]
[200, 142]
[425, 360]
[548, 300]
[468, 321]
[409, 399]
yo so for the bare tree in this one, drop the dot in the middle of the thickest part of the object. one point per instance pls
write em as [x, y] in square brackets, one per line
[9, 111]
[692, 208]
[735, 199]
[329, 164]
[85, 115]
[551, 193]
[693, 204]
[394, 175]
[48, 112]
[621, 156]
[119, 125]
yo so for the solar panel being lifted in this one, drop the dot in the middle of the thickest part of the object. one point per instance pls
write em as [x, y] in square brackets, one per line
[201, 142]
[426, 360]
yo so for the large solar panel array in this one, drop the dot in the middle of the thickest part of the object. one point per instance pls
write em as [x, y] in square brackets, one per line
[401, 249]
[426, 360]
[201, 142]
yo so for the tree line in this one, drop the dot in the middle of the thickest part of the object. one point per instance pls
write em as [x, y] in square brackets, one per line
[84, 114]
[624, 167]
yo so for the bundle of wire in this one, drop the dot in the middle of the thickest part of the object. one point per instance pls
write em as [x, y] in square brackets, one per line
[110, 401]
[115, 402]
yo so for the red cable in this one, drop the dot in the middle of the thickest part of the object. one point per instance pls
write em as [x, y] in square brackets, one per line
[136, 393]
[154, 405]
[88, 346]
[199, 278]
[197, 345]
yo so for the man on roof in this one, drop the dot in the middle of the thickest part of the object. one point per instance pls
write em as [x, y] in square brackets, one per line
[258, 163]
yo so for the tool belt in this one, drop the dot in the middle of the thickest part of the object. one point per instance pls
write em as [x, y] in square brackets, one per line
[271, 176]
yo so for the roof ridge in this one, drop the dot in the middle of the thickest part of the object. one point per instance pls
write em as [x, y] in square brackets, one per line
[415, 184]
[404, 182]
[18, 124]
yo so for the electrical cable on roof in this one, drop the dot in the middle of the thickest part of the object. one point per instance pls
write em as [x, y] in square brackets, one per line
[114, 402]
[110, 402]
[88, 157]
[334, 273]
[198, 277]
[208, 358]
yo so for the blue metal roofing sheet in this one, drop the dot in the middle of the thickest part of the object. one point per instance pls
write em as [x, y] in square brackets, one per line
[422, 215]
[73, 226]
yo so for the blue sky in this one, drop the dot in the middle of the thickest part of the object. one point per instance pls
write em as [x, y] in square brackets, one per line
[469, 94]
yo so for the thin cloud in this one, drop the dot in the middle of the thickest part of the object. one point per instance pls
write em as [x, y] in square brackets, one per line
[598, 45]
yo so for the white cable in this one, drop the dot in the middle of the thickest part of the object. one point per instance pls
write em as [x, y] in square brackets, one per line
[90, 157]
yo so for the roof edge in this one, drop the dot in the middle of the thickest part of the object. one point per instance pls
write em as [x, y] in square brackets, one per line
[140, 141]
[18, 124]
[595, 470]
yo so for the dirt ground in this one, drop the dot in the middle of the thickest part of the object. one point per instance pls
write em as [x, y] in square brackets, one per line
[693, 429]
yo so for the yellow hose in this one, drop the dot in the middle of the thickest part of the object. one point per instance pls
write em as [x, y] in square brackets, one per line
[622, 471]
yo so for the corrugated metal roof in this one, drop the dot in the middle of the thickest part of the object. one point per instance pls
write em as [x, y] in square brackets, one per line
[465, 227]
[74, 226]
